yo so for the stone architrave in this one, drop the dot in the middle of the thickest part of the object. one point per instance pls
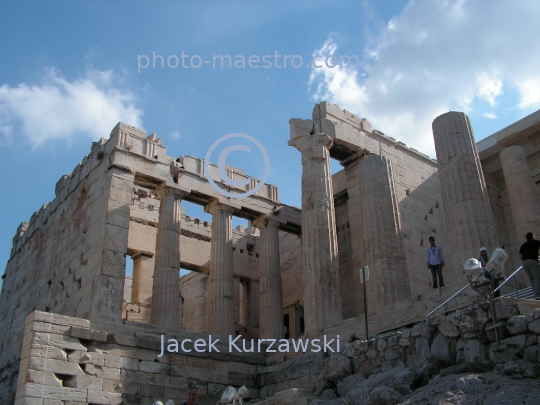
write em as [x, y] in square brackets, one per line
[521, 191]
[166, 303]
[220, 299]
[270, 287]
[320, 260]
[469, 220]
[383, 240]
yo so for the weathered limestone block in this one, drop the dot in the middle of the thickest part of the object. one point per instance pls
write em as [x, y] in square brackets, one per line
[474, 351]
[534, 327]
[337, 368]
[270, 286]
[504, 310]
[516, 324]
[220, 304]
[88, 334]
[472, 320]
[441, 349]
[447, 328]
[521, 190]
[322, 296]
[469, 219]
[166, 303]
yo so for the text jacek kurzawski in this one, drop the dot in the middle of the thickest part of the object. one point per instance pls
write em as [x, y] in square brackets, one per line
[237, 344]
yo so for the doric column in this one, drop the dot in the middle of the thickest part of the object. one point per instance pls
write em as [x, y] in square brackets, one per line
[383, 240]
[166, 304]
[469, 220]
[521, 191]
[270, 288]
[143, 270]
[220, 299]
[322, 296]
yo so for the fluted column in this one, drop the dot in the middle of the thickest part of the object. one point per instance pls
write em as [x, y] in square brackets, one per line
[322, 296]
[383, 240]
[166, 304]
[521, 191]
[469, 220]
[220, 299]
[270, 288]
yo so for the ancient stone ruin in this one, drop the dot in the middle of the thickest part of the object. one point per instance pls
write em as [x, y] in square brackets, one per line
[74, 329]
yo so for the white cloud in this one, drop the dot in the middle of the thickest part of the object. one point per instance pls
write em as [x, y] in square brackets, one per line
[176, 135]
[529, 89]
[437, 56]
[60, 109]
[490, 115]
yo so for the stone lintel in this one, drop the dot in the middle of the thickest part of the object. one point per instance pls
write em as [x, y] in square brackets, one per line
[354, 158]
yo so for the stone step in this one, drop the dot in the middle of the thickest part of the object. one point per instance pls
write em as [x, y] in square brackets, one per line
[525, 293]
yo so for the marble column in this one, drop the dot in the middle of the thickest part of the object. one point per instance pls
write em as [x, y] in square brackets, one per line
[469, 219]
[166, 303]
[143, 270]
[383, 240]
[220, 299]
[322, 295]
[270, 288]
[521, 191]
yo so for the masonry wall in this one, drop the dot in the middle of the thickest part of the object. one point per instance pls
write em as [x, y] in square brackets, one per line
[194, 293]
[290, 247]
[351, 288]
[70, 258]
[420, 202]
[70, 359]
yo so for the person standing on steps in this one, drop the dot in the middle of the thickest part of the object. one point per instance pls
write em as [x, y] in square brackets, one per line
[528, 254]
[435, 262]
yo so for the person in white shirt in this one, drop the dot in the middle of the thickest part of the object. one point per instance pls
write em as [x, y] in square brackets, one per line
[435, 262]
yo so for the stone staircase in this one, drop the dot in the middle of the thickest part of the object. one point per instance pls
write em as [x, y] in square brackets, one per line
[293, 396]
[525, 293]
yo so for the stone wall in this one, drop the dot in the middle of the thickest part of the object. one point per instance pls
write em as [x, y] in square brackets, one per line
[69, 259]
[291, 268]
[398, 363]
[69, 359]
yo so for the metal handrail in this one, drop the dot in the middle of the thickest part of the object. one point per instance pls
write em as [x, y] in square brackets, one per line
[509, 277]
[494, 291]
[451, 298]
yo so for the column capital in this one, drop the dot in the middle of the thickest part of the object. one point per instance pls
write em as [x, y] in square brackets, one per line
[313, 144]
[222, 205]
[268, 220]
[511, 154]
[166, 188]
[141, 253]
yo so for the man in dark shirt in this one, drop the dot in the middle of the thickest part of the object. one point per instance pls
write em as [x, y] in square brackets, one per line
[528, 254]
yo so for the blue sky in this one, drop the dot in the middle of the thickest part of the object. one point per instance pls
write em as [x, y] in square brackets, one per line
[69, 72]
